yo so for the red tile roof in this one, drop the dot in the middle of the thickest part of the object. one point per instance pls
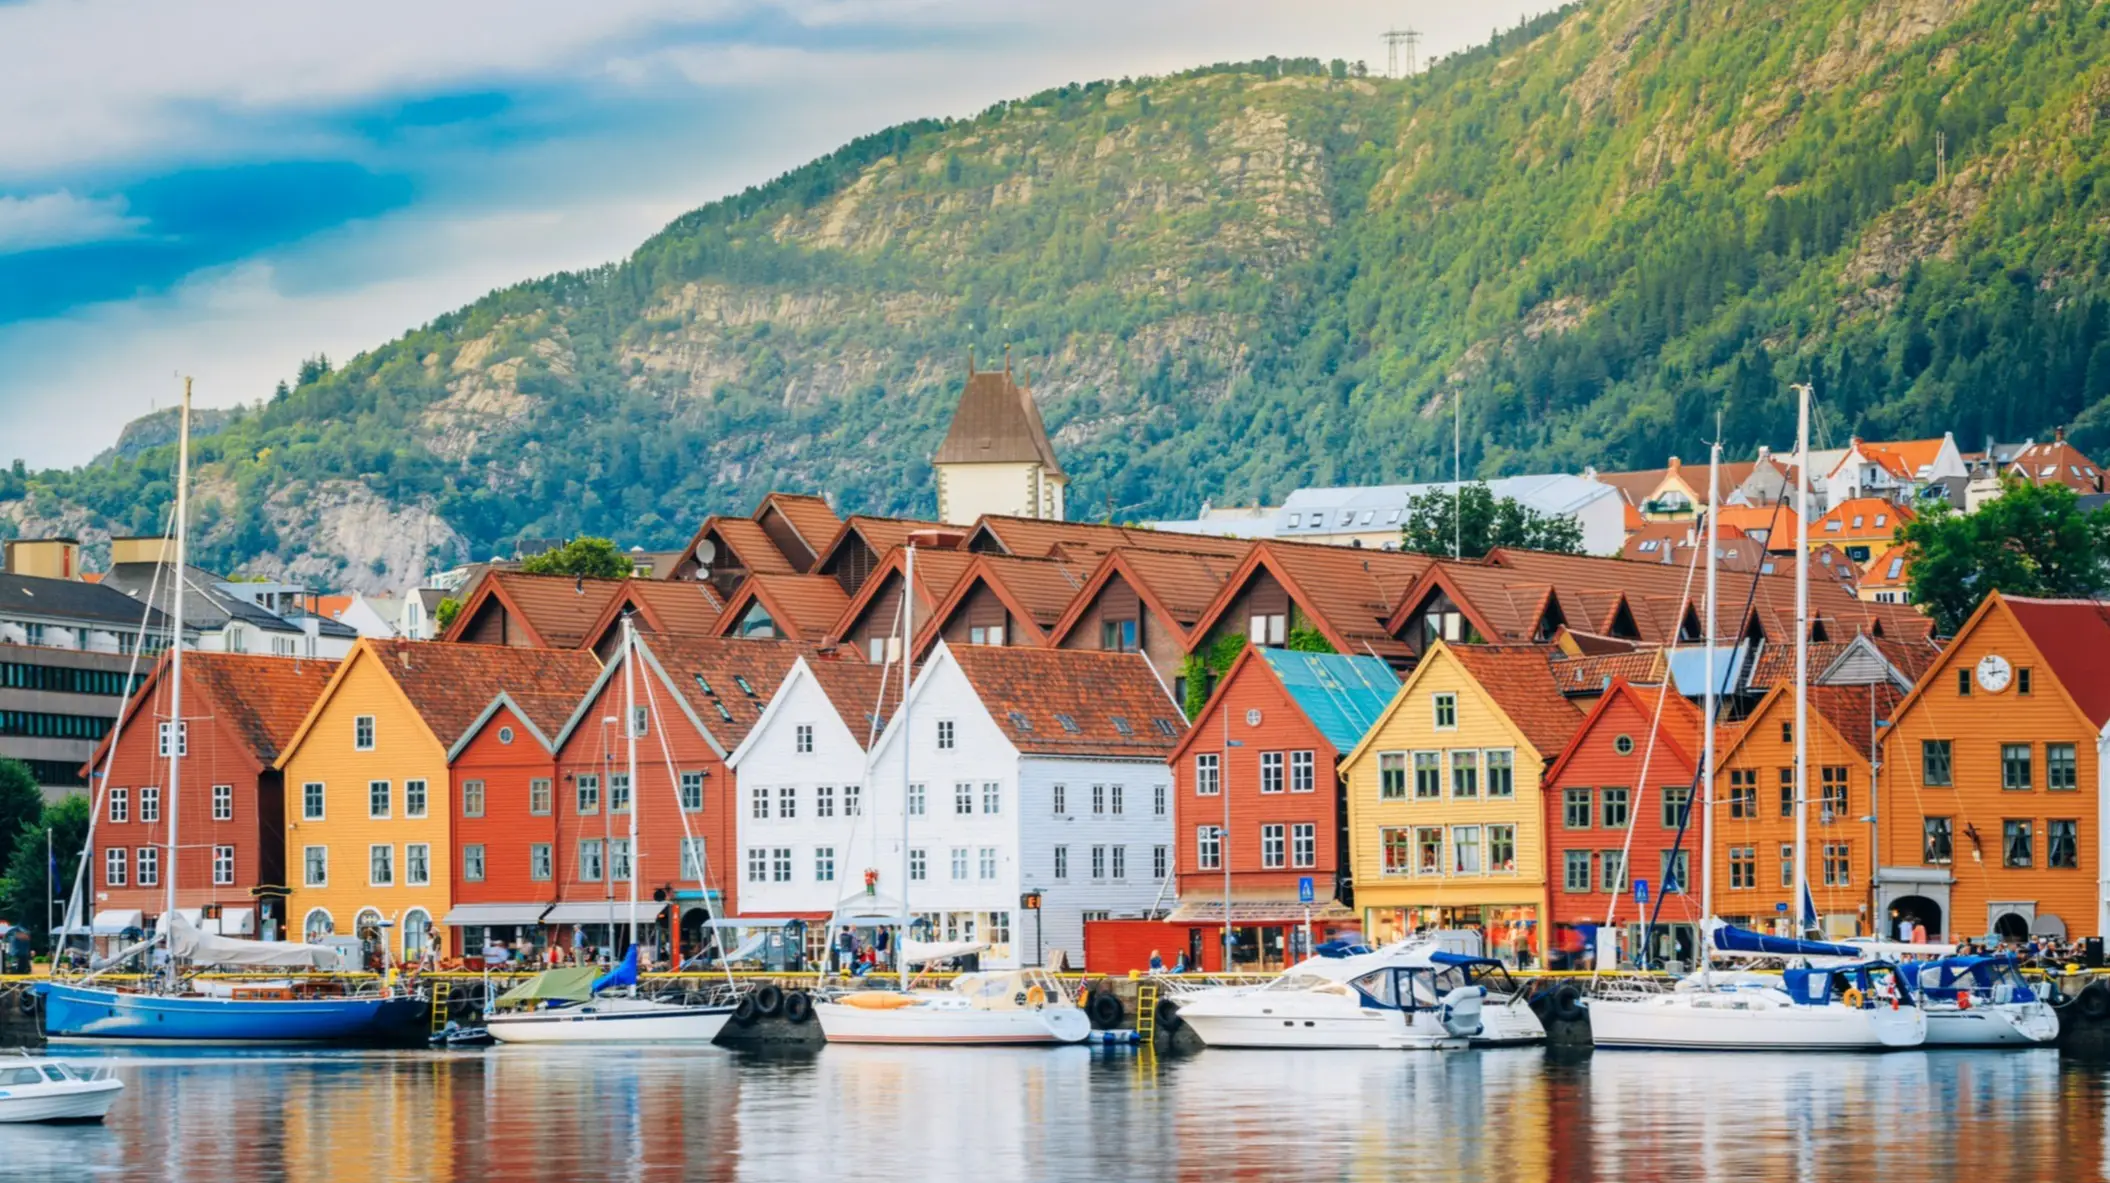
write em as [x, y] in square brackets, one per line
[937, 573]
[1901, 458]
[1593, 674]
[1087, 541]
[2058, 462]
[558, 610]
[1347, 591]
[450, 684]
[263, 699]
[853, 687]
[662, 606]
[804, 607]
[1177, 586]
[2074, 637]
[1520, 680]
[1848, 710]
[1878, 521]
[1118, 706]
[815, 523]
[725, 681]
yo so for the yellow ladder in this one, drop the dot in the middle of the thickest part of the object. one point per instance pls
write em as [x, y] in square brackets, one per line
[1147, 1013]
[440, 992]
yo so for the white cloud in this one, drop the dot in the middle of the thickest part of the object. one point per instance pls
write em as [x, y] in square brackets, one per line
[61, 219]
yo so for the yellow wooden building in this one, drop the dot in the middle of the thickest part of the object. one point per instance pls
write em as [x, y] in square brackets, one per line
[1446, 826]
[368, 811]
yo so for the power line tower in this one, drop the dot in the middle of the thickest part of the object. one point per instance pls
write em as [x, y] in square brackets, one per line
[1395, 39]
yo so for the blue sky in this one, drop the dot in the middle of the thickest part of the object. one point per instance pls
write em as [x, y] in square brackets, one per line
[222, 189]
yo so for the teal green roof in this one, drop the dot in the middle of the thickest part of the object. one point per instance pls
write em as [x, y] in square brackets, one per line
[1341, 695]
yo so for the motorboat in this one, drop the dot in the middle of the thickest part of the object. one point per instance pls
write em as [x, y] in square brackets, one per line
[1018, 1006]
[1404, 996]
[1506, 1017]
[34, 1089]
[1982, 1001]
[568, 1006]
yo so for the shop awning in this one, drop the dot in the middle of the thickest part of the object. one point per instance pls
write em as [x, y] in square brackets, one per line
[115, 921]
[647, 912]
[231, 922]
[1257, 912]
[2047, 925]
[490, 915]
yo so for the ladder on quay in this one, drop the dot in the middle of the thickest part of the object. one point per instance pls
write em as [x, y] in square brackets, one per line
[441, 992]
[1147, 1014]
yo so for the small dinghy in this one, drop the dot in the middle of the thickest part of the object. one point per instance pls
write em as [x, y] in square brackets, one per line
[36, 1089]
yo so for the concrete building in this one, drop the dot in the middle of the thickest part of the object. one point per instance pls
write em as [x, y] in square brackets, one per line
[66, 667]
[1372, 516]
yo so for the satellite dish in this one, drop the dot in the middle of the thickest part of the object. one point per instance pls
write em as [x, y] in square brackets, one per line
[706, 551]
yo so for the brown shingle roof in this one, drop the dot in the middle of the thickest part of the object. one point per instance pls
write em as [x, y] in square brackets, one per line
[1035, 538]
[751, 545]
[996, 422]
[263, 699]
[937, 573]
[1520, 680]
[1115, 700]
[1847, 709]
[450, 684]
[559, 609]
[809, 515]
[713, 672]
[804, 607]
[689, 606]
[1348, 591]
[1592, 674]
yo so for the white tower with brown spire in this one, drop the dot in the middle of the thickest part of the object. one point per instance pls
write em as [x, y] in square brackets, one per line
[997, 458]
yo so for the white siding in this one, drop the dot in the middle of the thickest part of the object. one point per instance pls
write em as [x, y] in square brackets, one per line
[1136, 830]
[769, 760]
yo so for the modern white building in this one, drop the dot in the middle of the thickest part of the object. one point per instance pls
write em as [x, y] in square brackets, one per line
[1372, 515]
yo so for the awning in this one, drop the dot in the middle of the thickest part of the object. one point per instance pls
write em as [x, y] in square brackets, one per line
[1257, 912]
[231, 922]
[115, 921]
[647, 912]
[2046, 925]
[488, 915]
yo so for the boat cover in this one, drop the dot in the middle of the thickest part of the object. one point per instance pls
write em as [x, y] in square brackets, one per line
[188, 942]
[573, 983]
[925, 952]
[1731, 939]
[624, 974]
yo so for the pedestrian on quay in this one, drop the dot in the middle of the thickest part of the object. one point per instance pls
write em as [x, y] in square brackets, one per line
[1179, 963]
[1157, 963]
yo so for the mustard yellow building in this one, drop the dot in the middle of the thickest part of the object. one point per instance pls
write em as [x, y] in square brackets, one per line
[368, 811]
[1446, 824]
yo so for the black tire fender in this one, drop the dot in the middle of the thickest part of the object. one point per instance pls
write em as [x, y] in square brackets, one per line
[744, 1012]
[1567, 1005]
[26, 1001]
[769, 999]
[798, 1006]
[2094, 1002]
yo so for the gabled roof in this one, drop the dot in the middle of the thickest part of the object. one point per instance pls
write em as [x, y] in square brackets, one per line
[2074, 638]
[880, 534]
[556, 611]
[1348, 592]
[809, 517]
[1776, 522]
[749, 543]
[1073, 702]
[262, 699]
[1341, 694]
[852, 687]
[1035, 591]
[1840, 710]
[721, 683]
[937, 573]
[1678, 726]
[1036, 538]
[1520, 680]
[1838, 524]
[804, 607]
[686, 606]
[1178, 587]
[451, 685]
[1903, 459]
[1594, 674]
[996, 422]
[2060, 463]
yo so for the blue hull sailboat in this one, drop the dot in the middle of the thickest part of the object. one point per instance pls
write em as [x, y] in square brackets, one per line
[80, 1014]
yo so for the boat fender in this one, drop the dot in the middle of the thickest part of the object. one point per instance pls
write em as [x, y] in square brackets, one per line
[1106, 1010]
[1567, 1004]
[769, 999]
[1169, 1016]
[1963, 1000]
[460, 1008]
[744, 1011]
[1853, 997]
[1035, 998]
[26, 1001]
[798, 1006]
[2094, 1002]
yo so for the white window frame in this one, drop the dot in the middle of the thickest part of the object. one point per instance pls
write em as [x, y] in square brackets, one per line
[223, 803]
[372, 865]
[309, 864]
[363, 732]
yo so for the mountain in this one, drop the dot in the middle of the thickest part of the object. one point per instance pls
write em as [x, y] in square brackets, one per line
[1594, 233]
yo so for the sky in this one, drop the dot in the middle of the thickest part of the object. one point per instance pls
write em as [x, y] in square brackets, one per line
[223, 189]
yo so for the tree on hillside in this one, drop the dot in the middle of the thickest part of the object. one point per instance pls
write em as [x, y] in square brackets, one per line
[1475, 521]
[25, 892]
[2035, 540]
[443, 616]
[594, 558]
[21, 801]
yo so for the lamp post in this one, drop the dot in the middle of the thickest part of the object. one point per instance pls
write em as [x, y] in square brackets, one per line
[1223, 837]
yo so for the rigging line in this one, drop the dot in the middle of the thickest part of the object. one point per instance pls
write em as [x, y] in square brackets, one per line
[872, 733]
[703, 853]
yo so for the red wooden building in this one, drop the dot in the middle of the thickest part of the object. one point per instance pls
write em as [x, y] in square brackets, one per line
[238, 711]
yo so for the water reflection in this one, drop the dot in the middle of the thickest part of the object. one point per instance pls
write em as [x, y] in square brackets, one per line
[941, 1114]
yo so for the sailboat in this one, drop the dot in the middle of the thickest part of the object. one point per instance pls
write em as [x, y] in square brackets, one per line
[569, 1005]
[1020, 1006]
[1828, 998]
[170, 1009]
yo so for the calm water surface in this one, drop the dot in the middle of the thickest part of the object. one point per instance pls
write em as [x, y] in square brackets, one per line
[1002, 1115]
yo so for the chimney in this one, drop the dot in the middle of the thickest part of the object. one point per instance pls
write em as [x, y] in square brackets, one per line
[2058, 434]
[142, 549]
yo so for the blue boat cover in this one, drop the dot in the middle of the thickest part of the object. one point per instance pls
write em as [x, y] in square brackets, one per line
[1444, 957]
[1730, 939]
[624, 974]
[1944, 978]
[1340, 693]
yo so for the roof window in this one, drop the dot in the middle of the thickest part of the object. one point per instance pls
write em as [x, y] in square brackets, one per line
[1369, 515]
[1165, 727]
[705, 686]
[1857, 521]
[1068, 724]
[722, 712]
[1347, 516]
[741, 682]
[1121, 725]
[1392, 517]
[1019, 721]
[1295, 520]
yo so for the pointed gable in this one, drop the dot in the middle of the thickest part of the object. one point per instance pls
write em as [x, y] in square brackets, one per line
[792, 607]
[996, 422]
[532, 611]
[799, 525]
[1073, 702]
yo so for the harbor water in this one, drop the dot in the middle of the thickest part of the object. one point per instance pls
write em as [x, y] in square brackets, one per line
[1019, 1114]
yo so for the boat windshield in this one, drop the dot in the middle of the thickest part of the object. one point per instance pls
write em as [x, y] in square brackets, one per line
[57, 1073]
[20, 1076]
[1378, 987]
[1293, 983]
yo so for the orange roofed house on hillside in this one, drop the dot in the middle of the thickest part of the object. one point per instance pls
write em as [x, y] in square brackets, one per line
[1992, 778]
[2057, 463]
[239, 711]
[1893, 472]
[1865, 528]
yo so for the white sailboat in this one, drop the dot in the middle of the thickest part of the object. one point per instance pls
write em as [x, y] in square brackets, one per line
[1022, 1006]
[567, 1005]
[1846, 1004]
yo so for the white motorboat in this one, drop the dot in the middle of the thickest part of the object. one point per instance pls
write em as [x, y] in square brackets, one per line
[1020, 1006]
[1404, 996]
[611, 1020]
[33, 1089]
[1982, 1001]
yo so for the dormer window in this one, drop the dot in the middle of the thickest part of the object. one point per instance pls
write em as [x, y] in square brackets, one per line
[1296, 520]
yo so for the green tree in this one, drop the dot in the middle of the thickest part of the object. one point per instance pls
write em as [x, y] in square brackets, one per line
[25, 891]
[2035, 540]
[443, 616]
[21, 801]
[1475, 521]
[594, 558]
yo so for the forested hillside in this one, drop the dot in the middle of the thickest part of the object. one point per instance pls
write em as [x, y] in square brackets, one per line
[1595, 231]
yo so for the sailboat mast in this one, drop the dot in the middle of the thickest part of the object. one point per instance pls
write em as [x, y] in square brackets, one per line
[1714, 472]
[908, 735]
[175, 723]
[1802, 656]
[630, 733]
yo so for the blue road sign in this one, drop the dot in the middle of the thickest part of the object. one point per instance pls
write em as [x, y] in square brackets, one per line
[1640, 891]
[1305, 894]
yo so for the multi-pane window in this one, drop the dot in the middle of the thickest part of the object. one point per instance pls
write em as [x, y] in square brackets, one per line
[1575, 871]
[539, 862]
[1787, 865]
[963, 798]
[363, 733]
[787, 801]
[1158, 861]
[618, 792]
[1303, 772]
[985, 862]
[916, 796]
[182, 734]
[1271, 772]
[758, 864]
[1098, 799]
[2062, 843]
[2014, 767]
[1743, 792]
[1934, 762]
[757, 802]
[1612, 877]
[1838, 864]
[824, 864]
[851, 801]
[1205, 770]
[473, 863]
[1675, 869]
[1062, 862]
[1465, 774]
[1674, 800]
[1743, 865]
[1787, 792]
[121, 804]
[380, 865]
[414, 799]
[223, 803]
[1831, 782]
[1098, 863]
[692, 792]
[588, 793]
[959, 864]
[150, 804]
[417, 864]
[1428, 850]
[1937, 841]
[2018, 845]
[149, 859]
[1616, 807]
[824, 801]
[1501, 848]
[945, 735]
[1208, 847]
[1428, 775]
[1465, 850]
[692, 859]
[993, 797]
[1060, 796]
[1576, 809]
[1444, 708]
[472, 797]
[1304, 845]
[1501, 773]
[315, 866]
[378, 798]
[1397, 845]
[222, 866]
[780, 864]
[1392, 776]
[1157, 800]
[590, 860]
[2061, 770]
[1273, 847]
[918, 864]
[1116, 795]
[540, 795]
[802, 739]
[116, 860]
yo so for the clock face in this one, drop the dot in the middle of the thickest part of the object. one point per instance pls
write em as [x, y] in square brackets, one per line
[1994, 673]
